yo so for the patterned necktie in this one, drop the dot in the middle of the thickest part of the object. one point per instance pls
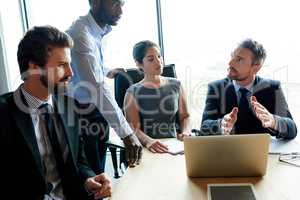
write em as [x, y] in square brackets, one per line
[47, 118]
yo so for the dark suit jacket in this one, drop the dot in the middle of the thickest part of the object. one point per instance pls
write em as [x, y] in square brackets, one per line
[21, 167]
[221, 98]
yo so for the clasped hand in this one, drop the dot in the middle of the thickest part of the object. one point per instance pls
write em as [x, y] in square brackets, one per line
[99, 186]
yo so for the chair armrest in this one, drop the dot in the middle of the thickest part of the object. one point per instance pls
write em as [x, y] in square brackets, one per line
[113, 144]
[115, 140]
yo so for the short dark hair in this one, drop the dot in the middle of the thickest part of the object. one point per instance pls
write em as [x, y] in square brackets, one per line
[259, 53]
[37, 43]
[140, 50]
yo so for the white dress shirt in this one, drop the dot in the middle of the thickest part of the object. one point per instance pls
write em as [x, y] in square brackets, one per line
[249, 87]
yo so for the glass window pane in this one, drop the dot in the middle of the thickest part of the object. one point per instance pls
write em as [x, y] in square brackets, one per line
[12, 30]
[138, 22]
[200, 35]
[57, 13]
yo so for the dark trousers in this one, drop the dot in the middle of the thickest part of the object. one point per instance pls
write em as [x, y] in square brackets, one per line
[95, 134]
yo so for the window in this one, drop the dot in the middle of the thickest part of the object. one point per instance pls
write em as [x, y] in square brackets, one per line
[138, 22]
[57, 13]
[199, 37]
[4, 87]
[12, 32]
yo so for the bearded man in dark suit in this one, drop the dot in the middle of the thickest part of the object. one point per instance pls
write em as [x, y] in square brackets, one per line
[244, 103]
[41, 151]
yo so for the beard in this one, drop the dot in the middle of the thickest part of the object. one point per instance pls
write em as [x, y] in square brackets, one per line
[44, 80]
[56, 88]
[104, 17]
[236, 77]
[233, 74]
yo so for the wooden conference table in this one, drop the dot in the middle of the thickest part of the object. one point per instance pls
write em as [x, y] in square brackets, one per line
[163, 177]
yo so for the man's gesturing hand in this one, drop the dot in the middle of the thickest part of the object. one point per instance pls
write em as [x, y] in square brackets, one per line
[266, 118]
[228, 121]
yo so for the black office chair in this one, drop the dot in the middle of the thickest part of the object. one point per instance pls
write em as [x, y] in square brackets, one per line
[125, 79]
[122, 82]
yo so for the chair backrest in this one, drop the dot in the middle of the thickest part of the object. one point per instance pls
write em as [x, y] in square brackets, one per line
[125, 79]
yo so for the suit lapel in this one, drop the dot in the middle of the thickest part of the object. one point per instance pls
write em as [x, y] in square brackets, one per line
[231, 97]
[25, 125]
[260, 85]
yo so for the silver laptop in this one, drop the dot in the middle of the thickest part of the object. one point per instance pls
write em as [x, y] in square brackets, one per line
[226, 156]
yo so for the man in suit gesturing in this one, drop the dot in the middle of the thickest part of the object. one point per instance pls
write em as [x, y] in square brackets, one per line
[41, 150]
[244, 102]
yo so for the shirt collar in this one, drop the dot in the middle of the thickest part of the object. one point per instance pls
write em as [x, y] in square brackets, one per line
[248, 87]
[33, 102]
[96, 28]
